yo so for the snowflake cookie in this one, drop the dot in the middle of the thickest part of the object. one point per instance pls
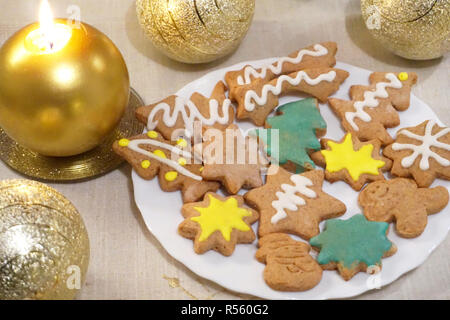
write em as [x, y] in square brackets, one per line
[421, 152]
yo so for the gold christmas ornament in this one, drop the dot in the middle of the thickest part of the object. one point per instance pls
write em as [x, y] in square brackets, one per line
[195, 31]
[44, 246]
[413, 29]
[64, 99]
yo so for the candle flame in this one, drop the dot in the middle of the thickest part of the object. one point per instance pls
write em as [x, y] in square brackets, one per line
[46, 23]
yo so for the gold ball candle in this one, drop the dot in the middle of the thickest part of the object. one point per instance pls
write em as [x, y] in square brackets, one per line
[63, 86]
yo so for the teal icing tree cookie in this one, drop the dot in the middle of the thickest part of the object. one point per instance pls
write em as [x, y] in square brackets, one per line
[353, 245]
[299, 125]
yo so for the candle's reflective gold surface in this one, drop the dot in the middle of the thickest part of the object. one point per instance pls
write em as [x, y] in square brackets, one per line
[66, 100]
[44, 246]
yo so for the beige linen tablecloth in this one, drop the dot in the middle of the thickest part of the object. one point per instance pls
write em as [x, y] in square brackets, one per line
[127, 262]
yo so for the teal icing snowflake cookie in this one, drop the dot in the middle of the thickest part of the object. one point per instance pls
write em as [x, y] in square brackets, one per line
[353, 245]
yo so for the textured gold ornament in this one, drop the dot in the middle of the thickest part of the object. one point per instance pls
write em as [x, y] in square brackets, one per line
[413, 29]
[195, 31]
[95, 162]
[44, 246]
[66, 102]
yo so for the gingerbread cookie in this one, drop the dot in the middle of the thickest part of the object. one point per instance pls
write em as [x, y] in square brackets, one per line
[421, 152]
[227, 158]
[218, 223]
[401, 201]
[289, 267]
[293, 203]
[352, 161]
[298, 125]
[150, 155]
[257, 100]
[353, 245]
[373, 108]
[174, 116]
[317, 55]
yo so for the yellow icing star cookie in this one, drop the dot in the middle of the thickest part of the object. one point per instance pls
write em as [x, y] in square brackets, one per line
[218, 223]
[352, 161]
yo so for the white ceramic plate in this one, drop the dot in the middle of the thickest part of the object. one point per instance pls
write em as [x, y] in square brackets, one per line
[241, 272]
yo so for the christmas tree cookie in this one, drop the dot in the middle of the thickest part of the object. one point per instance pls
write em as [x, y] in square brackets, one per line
[151, 155]
[297, 127]
[218, 223]
[351, 160]
[293, 203]
[353, 245]
[421, 152]
[400, 200]
[373, 108]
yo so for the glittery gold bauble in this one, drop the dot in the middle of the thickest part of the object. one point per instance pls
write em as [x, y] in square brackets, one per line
[44, 246]
[63, 102]
[413, 29]
[195, 31]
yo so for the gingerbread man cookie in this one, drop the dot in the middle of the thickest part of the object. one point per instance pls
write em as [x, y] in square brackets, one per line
[317, 55]
[401, 201]
[293, 203]
[227, 158]
[150, 155]
[373, 108]
[218, 223]
[353, 245]
[421, 152]
[174, 116]
[352, 161]
[297, 125]
[289, 267]
[257, 100]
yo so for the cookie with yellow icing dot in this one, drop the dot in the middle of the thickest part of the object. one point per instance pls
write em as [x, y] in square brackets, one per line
[218, 223]
[151, 155]
[352, 161]
[373, 108]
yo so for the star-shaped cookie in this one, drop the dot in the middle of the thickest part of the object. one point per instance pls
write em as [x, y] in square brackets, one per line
[227, 157]
[352, 161]
[293, 203]
[353, 245]
[421, 152]
[150, 155]
[175, 117]
[218, 223]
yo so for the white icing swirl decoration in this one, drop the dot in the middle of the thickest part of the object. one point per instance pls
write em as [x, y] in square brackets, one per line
[277, 68]
[424, 149]
[135, 146]
[261, 100]
[288, 198]
[371, 101]
[194, 114]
